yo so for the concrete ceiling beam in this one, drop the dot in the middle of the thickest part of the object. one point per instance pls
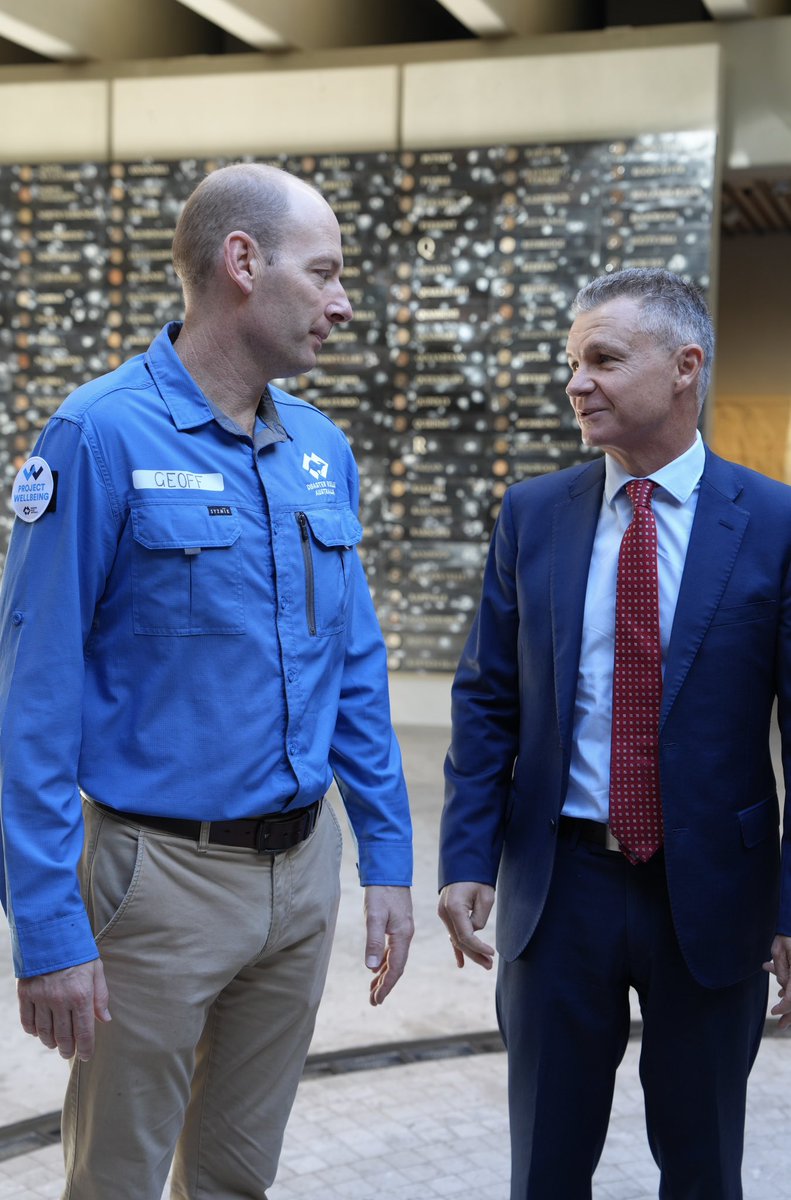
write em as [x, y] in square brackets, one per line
[734, 10]
[524, 18]
[308, 24]
[103, 29]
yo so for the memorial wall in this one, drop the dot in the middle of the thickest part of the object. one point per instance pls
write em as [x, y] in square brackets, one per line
[461, 266]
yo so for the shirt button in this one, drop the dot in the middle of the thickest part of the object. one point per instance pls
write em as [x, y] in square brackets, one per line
[284, 604]
[292, 747]
[291, 675]
[17, 618]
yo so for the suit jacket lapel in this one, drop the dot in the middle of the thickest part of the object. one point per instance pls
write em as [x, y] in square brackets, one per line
[573, 530]
[717, 532]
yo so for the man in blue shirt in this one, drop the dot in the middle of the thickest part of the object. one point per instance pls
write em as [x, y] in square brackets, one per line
[610, 767]
[189, 655]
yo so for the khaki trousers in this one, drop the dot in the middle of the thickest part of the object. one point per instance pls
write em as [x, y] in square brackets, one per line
[216, 960]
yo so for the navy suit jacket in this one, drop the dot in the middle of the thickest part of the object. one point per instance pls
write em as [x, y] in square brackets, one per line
[728, 660]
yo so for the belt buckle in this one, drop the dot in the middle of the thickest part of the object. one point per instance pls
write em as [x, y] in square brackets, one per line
[286, 827]
[293, 828]
[262, 835]
[610, 841]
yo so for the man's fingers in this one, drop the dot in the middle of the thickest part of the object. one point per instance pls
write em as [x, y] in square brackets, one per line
[376, 918]
[93, 1008]
[84, 1041]
[458, 953]
[60, 1008]
[27, 1015]
[397, 953]
[101, 994]
[473, 948]
[781, 959]
[374, 944]
[45, 1027]
[464, 908]
[63, 1035]
[465, 943]
[389, 931]
[779, 966]
[480, 912]
[783, 1011]
[392, 968]
[381, 984]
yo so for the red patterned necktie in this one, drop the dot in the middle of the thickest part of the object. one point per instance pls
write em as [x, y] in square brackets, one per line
[635, 805]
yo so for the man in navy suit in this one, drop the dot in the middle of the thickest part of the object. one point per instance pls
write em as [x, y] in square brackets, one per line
[581, 919]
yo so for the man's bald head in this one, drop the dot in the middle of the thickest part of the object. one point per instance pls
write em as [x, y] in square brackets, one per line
[250, 197]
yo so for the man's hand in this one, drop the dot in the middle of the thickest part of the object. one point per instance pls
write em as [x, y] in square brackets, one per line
[60, 1008]
[464, 908]
[780, 966]
[389, 928]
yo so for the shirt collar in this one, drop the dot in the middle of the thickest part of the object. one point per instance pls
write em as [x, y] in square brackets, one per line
[187, 404]
[268, 426]
[679, 478]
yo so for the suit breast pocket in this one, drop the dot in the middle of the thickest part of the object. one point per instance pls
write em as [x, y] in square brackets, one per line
[186, 571]
[737, 614]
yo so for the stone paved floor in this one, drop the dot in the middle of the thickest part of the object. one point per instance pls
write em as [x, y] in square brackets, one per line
[439, 1129]
[435, 1128]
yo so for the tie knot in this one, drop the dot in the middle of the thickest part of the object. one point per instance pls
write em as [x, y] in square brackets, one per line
[640, 492]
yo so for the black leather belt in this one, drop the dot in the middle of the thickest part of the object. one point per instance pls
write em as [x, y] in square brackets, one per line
[588, 831]
[267, 835]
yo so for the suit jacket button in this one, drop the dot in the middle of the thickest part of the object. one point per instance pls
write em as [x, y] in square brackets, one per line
[553, 824]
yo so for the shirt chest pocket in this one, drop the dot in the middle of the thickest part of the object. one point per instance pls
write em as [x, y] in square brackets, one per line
[186, 571]
[327, 537]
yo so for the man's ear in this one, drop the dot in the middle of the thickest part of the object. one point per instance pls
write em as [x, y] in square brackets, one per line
[688, 364]
[240, 256]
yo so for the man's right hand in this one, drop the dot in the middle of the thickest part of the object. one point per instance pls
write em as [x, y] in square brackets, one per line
[60, 1008]
[464, 908]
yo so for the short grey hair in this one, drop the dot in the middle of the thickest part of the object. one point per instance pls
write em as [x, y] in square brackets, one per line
[252, 197]
[672, 309]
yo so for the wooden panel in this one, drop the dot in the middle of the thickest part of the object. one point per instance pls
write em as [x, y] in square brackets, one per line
[754, 430]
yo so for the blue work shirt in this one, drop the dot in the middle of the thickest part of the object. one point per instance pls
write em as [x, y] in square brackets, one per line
[186, 632]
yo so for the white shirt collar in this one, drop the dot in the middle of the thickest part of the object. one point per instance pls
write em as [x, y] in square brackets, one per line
[679, 477]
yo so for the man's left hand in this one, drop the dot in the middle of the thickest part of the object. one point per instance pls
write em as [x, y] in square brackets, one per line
[389, 928]
[780, 966]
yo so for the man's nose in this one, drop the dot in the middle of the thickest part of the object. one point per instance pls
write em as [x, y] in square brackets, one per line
[579, 384]
[339, 309]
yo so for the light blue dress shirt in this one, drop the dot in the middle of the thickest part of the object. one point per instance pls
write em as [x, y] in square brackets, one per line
[674, 502]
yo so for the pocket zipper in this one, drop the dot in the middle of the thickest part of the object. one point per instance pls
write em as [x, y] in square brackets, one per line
[310, 588]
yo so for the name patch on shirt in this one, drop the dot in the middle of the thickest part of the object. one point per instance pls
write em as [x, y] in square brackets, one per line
[220, 510]
[178, 481]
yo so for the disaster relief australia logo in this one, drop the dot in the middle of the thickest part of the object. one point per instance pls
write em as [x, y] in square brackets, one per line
[317, 468]
[32, 490]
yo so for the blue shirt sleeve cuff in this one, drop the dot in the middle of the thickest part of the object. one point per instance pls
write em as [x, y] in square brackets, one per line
[46, 946]
[385, 864]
